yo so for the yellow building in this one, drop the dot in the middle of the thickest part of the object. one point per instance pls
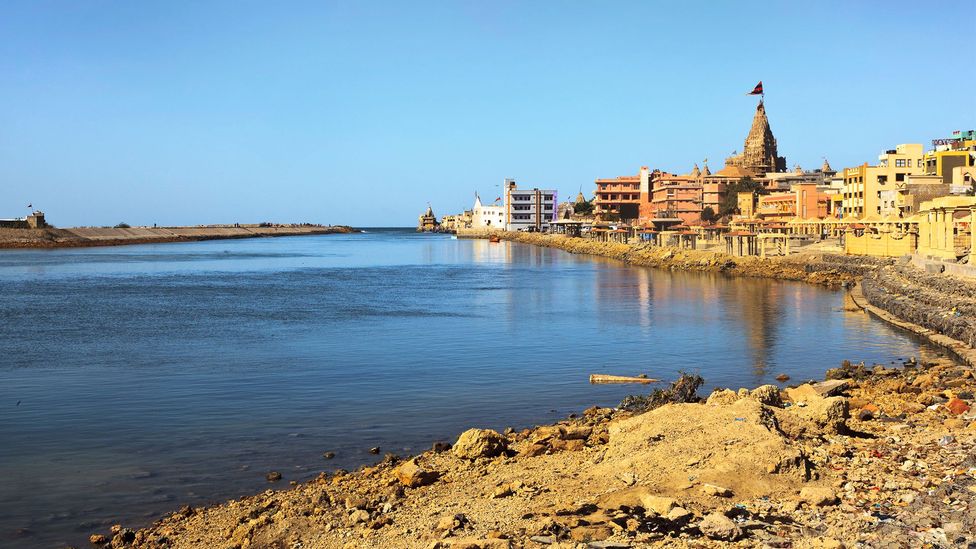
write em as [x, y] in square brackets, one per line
[952, 157]
[945, 227]
[869, 189]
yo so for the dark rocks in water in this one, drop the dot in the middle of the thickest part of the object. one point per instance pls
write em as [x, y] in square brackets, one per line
[374, 450]
[782, 377]
[328, 455]
[685, 389]
[439, 447]
[273, 476]
[97, 539]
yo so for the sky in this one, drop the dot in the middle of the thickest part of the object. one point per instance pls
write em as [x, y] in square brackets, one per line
[360, 113]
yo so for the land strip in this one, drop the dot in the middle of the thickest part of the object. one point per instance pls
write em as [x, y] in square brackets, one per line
[115, 236]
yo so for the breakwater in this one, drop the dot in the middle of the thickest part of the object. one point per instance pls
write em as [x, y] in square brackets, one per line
[114, 236]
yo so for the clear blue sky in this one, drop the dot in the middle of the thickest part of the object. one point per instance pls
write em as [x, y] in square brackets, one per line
[179, 112]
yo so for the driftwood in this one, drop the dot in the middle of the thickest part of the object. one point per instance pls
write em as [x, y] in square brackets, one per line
[604, 378]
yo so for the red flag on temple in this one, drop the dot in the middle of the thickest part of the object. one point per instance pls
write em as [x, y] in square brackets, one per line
[497, 199]
[757, 90]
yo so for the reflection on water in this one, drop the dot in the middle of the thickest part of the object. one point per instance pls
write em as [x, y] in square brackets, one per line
[152, 376]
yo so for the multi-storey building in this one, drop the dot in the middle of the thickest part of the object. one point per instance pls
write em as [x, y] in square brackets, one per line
[619, 198]
[864, 185]
[528, 209]
[676, 198]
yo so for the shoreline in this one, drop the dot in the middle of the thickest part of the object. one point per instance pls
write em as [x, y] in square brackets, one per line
[583, 481]
[84, 237]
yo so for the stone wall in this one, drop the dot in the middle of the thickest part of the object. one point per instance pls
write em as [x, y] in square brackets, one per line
[880, 245]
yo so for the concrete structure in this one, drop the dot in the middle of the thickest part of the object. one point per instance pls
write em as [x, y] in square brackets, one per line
[528, 210]
[915, 190]
[487, 217]
[951, 156]
[863, 185]
[619, 199]
[803, 201]
[945, 228]
[33, 221]
[676, 199]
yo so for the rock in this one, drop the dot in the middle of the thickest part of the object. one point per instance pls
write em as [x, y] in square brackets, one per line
[358, 516]
[502, 491]
[659, 504]
[412, 476]
[590, 533]
[782, 377]
[450, 523]
[957, 406]
[831, 387]
[679, 515]
[97, 539]
[826, 412]
[578, 433]
[718, 526]
[768, 395]
[954, 423]
[819, 496]
[533, 450]
[472, 543]
[722, 397]
[478, 443]
[439, 447]
[718, 491]
[328, 455]
[374, 450]
[867, 412]
[355, 502]
[273, 476]
[123, 538]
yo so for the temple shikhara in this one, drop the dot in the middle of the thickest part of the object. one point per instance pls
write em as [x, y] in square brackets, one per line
[759, 154]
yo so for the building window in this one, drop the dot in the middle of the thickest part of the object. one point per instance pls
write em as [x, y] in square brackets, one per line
[899, 177]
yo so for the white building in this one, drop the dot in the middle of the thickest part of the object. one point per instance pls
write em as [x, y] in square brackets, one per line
[487, 217]
[528, 209]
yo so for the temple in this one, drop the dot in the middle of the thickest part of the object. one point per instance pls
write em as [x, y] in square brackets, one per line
[759, 156]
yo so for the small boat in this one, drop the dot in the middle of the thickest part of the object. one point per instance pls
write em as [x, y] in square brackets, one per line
[494, 238]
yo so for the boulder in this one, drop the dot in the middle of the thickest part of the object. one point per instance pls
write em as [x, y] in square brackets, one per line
[717, 491]
[819, 496]
[412, 476]
[718, 526]
[957, 406]
[768, 395]
[722, 397]
[479, 443]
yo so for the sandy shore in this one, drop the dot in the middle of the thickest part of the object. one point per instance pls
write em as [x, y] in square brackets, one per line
[109, 236]
[876, 456]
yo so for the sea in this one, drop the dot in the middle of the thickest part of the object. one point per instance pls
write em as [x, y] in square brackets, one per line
[137, 379]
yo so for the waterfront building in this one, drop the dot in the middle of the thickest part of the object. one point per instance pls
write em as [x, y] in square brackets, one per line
[863, 185]
[528, 209]
[946, 228]
[676, 199]
[952, 158]
[802, 201]
[487, 217]
[427, 222]
[619, 198]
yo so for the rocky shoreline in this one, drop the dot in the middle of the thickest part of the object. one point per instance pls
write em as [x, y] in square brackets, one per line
[83, 237]
[874, 456]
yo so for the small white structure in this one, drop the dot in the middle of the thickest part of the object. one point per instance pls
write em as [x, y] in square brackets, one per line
[487, 217]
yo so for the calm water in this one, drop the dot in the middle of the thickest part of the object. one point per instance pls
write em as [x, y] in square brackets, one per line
[137, 379]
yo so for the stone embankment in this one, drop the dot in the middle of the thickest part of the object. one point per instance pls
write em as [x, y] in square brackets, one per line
[875, 456]
[828, 270]
[114, 236]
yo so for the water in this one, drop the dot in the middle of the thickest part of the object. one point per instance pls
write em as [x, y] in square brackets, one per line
[137, 379]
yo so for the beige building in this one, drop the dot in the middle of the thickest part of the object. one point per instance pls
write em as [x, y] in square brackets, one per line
[868, 189]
